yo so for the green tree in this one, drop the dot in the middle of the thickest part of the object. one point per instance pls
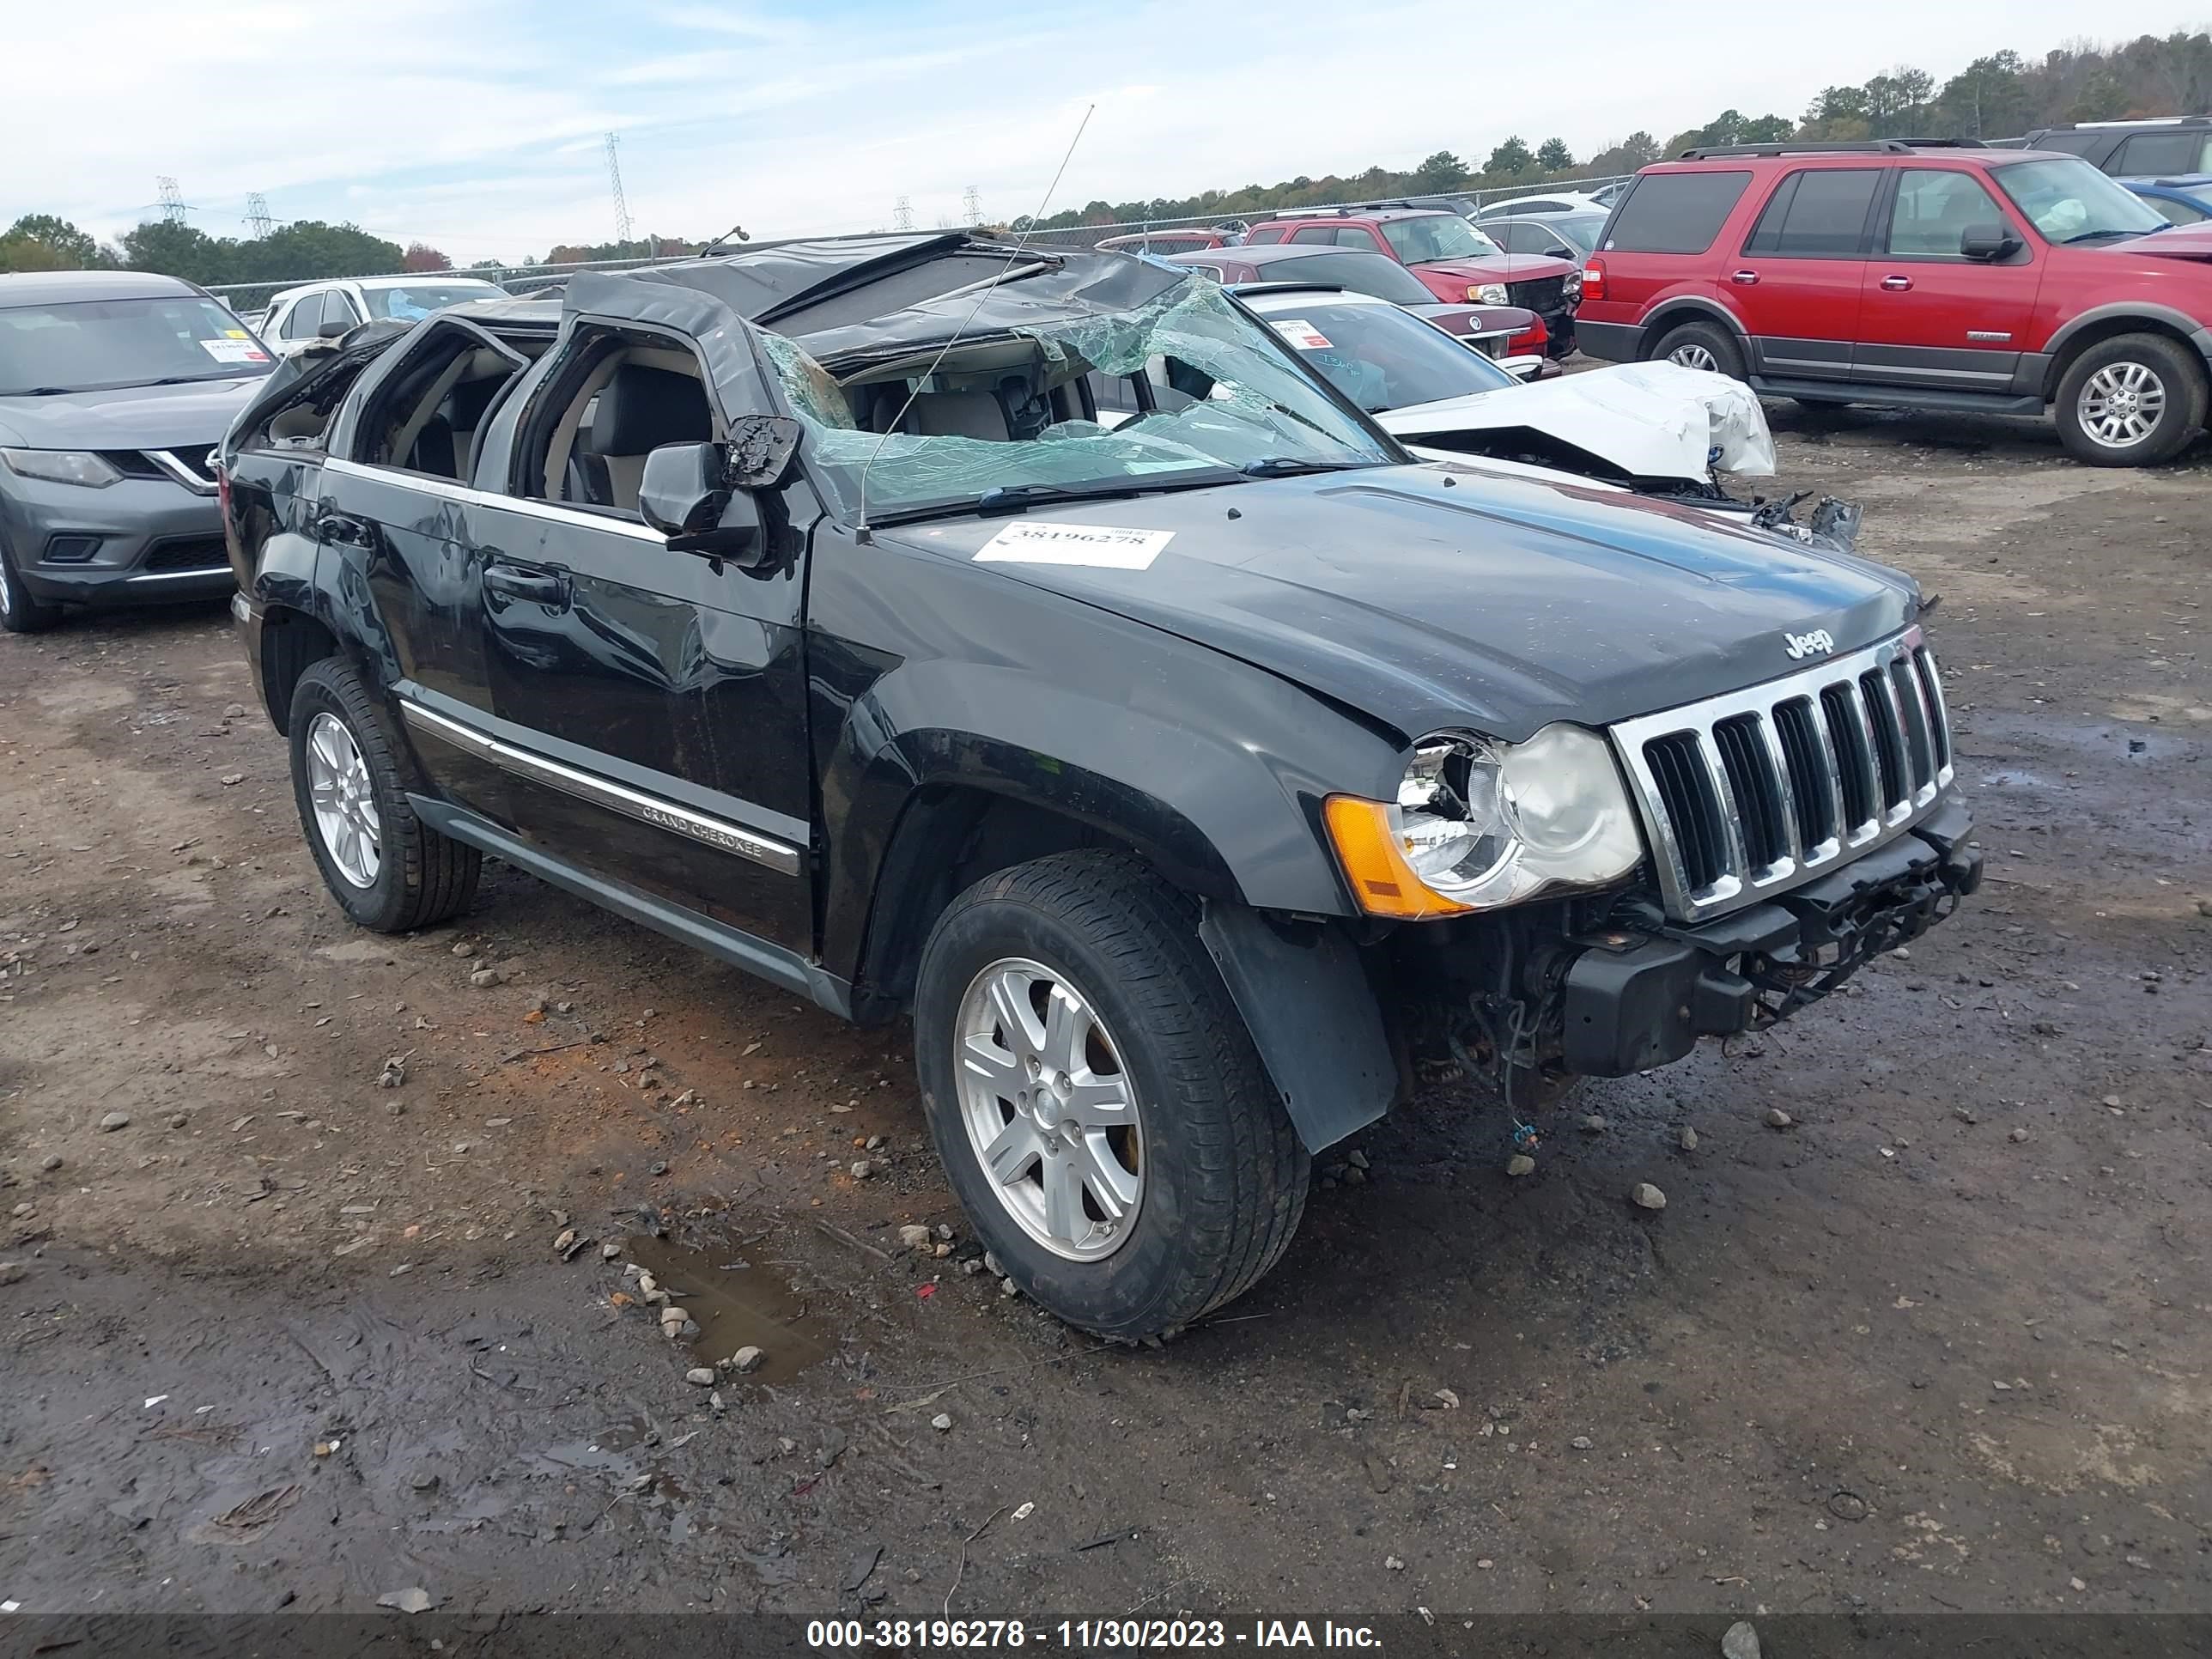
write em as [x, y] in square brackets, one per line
[74, 249]
[177, 249]
[1897, 103]
[1512, 159]
[1987, 99]
[1553, 155]
[1442, 171]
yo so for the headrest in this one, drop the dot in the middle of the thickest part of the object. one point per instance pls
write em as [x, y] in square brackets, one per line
[641, 409]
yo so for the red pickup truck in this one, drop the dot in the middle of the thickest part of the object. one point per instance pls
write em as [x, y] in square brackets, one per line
[1454, 260]
[1946, 275]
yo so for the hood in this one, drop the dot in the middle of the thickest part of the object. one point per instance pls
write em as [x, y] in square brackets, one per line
[1503, 268]
[1637, 420]
[128, 417]
[1426, 597]
[2179, 242]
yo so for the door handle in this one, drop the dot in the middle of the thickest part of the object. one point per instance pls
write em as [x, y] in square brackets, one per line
[1897, 284]
[343, 528]
[1745, 278]
[549, 588]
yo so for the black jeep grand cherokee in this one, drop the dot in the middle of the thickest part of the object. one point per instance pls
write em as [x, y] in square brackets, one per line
[1182, 780]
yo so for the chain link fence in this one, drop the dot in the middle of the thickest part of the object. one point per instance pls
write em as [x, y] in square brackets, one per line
[247, 298]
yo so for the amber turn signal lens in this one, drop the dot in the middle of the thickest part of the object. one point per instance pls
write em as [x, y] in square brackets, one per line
[1367, 847]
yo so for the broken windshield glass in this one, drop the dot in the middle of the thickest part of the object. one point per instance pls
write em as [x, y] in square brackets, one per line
[1213, 396]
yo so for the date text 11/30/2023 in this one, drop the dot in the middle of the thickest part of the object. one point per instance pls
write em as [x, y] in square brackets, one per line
[1085, 1635]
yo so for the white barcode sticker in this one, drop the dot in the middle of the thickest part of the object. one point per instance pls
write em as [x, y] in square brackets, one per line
[1103, 546]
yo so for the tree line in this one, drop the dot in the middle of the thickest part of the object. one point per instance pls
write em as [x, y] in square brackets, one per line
[1999, 95]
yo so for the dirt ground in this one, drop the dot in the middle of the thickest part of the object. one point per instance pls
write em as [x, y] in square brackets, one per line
[290, 1338]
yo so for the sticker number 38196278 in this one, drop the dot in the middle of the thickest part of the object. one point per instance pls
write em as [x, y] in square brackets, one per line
[1103, 546]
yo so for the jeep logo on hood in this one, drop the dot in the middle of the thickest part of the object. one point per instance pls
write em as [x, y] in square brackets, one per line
[1815, 644]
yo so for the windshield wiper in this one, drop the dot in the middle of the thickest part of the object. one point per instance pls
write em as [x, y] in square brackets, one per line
[39, 392]
[1289, 467]
[1019, 498]
[2092, 235]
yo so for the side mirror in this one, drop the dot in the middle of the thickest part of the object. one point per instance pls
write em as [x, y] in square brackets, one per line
[333, 329]
[685, 494]
[1988, 243]
[762, 449]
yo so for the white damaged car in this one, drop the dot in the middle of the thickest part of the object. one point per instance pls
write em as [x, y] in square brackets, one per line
[1655, 428]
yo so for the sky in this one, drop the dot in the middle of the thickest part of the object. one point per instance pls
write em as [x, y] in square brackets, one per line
[479, 125]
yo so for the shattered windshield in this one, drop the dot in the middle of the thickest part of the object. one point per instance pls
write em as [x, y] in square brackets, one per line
[1211, 400]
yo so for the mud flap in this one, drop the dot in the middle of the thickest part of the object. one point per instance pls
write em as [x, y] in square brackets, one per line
[1313, 1016]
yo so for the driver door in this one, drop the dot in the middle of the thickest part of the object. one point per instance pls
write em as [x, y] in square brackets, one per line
[651, 701]
[1928, 315]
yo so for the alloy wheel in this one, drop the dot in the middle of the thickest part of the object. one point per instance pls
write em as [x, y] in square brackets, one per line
[1050, 1109]
[2121, 404]
[1691, 355]
[6, 591]
[344, 801]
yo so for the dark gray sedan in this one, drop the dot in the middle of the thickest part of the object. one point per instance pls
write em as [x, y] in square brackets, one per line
[114, 385]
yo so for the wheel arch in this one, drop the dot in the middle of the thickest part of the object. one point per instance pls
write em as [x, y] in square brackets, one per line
[292, 641]
[2102, 323]
[952, 832]
[1672, 313]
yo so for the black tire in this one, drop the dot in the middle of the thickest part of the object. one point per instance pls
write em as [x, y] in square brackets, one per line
[18, 612]
[2166, 365]
[1713, 340]
[1224, 1178]
[422, 877]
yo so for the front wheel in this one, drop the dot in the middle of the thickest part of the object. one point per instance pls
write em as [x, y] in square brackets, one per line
[2134, 400]
[1097, 1103]
[18, 612]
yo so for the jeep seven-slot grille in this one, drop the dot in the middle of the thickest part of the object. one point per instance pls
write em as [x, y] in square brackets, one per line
[1751, 793]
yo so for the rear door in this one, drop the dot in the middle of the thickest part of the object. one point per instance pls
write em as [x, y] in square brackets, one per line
[649, 704]
[1796, 284]
[392, 520]
[1929, 316]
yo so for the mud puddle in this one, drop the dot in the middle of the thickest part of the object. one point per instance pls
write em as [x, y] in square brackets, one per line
[738, 1302]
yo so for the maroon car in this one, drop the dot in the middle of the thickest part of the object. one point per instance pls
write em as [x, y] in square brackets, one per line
[1455, 261]
[1500, 331]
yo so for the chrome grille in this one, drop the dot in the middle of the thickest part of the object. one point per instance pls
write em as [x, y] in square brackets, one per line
[1749, 793]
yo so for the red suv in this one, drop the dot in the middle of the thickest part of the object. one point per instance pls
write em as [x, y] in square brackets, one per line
[1454, 260]
[1926, 276]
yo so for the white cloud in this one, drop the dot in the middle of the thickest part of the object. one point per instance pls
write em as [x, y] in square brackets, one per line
[476, 125]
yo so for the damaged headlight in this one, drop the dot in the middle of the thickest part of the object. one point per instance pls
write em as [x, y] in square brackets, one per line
[68, 466]
[1478, 824]
[1486, 294]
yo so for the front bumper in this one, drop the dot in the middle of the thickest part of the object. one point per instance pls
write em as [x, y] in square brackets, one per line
[1640, 998]
[138, 541]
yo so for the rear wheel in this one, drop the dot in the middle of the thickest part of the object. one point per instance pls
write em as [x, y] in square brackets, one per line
[1702, 345]
[387, 869]
[18, 612]
[1096, 1101]
[2134, 400]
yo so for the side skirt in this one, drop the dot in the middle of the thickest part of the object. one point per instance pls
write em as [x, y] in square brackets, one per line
[772, 962]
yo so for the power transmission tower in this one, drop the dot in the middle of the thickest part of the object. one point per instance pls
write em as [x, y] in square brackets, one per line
[256, 214]
[902, 214]
[971, 204]
[172, 199]
[621, 207]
